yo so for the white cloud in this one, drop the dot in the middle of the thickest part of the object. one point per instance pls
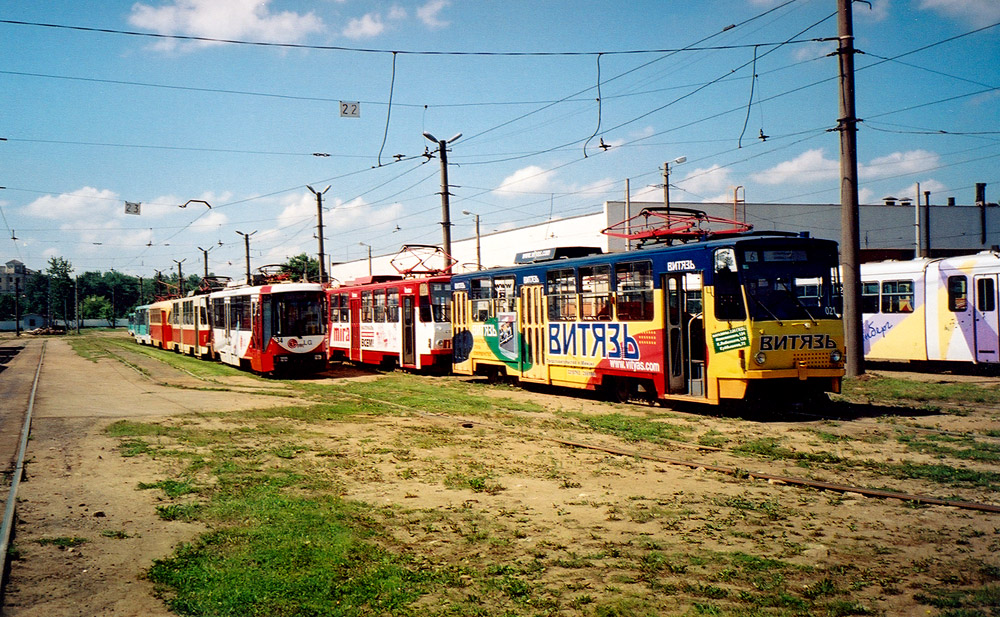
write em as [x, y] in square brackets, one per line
[810, 166]
[429, 13]
[714, 178]
[224, 19]
[814, 50]
[397, 13]
[974, 12]
[910, 191]
[876, 11]
[531, 179]
[647, 193]
[899, 163]
[368, 26]
[86, 204]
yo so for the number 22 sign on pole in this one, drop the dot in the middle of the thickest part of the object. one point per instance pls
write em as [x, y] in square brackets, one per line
[350, 109]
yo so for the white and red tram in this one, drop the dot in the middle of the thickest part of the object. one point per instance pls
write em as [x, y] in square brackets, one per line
[390, 320]
[270, 328]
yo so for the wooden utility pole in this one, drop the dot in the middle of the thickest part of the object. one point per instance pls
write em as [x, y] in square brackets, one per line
[850, 245]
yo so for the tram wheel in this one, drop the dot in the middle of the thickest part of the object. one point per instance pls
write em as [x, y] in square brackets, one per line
[496, 374]
[620, 390]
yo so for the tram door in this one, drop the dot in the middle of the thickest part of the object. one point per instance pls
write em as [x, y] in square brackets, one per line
[684, 333]
[676, 351]
[409, 331]
[355, 327]
[985, 316]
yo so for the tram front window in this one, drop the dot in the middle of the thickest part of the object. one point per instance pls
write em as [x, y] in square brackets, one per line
[298, 314]
[789, 285]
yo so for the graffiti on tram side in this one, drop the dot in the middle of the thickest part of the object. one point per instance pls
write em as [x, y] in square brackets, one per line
[872, 331]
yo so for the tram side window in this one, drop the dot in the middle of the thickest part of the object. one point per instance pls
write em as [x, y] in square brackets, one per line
[239, 313]
[246, 322]
[595, 293]
[958, 294]
[380, 305]
[897, 296]
[985, 295]
[436, 307]
[560, 289]
[481, 294]
[367, 307]
[345, 308]
[175, 314]
[728, 297]
[869, 297]
[334, 308]
[154, 317]
[503, 290]
[634, 287]
[392, 305]
[188, 316]
[218, 313]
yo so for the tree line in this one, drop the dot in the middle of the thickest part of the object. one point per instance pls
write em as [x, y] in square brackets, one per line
[54, 292]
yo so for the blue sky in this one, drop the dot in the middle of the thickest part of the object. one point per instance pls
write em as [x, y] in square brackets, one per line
[93, 119]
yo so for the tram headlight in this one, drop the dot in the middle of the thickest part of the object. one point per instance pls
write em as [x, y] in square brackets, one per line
[760, 358]
[836, 356]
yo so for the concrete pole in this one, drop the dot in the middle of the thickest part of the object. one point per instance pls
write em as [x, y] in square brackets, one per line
[204, 253]
[445, 202]
[850, 248]
[246, 243]
[319, 230]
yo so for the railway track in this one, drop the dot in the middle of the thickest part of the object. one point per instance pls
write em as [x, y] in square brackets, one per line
[16, 414]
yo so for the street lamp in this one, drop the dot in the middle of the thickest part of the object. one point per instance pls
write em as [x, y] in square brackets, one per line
[319, 229]
[445, 204]
[479, 255]
[666, 182]
[246, 242]
[205, 253]
[369, 257]
[180, 278]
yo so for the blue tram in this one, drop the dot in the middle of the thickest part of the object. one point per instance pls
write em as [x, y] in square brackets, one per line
[749, 316]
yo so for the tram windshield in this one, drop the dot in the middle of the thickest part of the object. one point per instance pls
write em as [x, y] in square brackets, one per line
[298, 314]
[789, 283]
[437, 306]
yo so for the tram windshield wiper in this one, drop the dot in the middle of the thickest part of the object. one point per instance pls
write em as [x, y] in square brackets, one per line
[763, 306]
[799, 303]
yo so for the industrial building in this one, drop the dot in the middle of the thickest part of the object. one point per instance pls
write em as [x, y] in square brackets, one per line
[895, 229]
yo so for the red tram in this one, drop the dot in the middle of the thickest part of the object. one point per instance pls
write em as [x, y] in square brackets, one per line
[392, 321]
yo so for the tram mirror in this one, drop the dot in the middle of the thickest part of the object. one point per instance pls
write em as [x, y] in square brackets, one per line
[725, 260]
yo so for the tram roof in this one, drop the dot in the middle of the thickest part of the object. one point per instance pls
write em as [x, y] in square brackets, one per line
[659, 251]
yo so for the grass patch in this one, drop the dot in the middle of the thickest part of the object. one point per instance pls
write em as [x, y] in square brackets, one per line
[771, 448]
[633, 429]
[944, 474]
[955, 446]
[172, 488]
[876, 387]
[179, 512]
[312, 557]
[62, 542]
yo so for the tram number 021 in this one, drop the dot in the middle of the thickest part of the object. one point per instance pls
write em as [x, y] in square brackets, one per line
[350, 109]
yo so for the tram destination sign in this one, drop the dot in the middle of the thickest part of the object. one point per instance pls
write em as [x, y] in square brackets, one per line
[734, 338]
